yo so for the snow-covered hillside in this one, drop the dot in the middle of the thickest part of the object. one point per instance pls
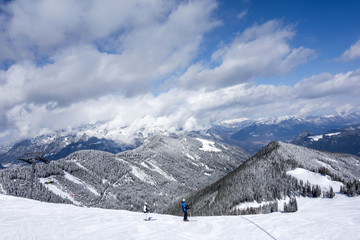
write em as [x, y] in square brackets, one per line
[24, 219]
[161, 170]
[277, 172]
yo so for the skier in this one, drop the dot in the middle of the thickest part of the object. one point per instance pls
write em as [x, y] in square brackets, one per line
[185, 208]
[146, 212]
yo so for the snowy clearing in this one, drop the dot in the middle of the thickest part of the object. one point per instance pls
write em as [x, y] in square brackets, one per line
[208, 146]
[78, 181]
[137, 172]
[189, 156]
[315, 179]
[315, 138]
[160, 171]
[253, 204]
[80, 165]
[332, 134]
[317, 218]
[55, 188]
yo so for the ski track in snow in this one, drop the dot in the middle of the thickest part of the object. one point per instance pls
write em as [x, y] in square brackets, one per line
[330, 219]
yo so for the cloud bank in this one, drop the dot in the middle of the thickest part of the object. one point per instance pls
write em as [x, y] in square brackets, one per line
[135, 64]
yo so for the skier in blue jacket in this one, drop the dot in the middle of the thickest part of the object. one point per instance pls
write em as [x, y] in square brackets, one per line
[185, 208]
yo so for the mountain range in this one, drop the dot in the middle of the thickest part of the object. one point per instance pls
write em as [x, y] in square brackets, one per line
[254, 135]
[161, 169]
[345, 140]
[247, 134]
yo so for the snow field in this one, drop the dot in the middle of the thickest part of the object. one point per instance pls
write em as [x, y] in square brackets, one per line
[208, 146]
[318, 137]
[318, 218]
[315, 179]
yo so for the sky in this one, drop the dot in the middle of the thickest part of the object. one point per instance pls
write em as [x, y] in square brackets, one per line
[170, 65]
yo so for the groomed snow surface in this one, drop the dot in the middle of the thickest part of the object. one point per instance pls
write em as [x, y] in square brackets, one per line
[319, 218]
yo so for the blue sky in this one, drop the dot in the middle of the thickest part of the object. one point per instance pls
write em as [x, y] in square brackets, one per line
[329, 27]
[168, 65]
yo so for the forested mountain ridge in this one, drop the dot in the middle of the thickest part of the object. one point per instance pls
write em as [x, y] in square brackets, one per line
[266, 178]
[162, 169]
[345, 140]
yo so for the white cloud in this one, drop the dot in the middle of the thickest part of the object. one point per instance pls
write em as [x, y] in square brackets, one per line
[352, 53]
[242, 14]
[104, 59]
[261, 50]
[324, 85]
[93, 50]
[156, 38]
[188, 109]
[47, 26]
[42, 28]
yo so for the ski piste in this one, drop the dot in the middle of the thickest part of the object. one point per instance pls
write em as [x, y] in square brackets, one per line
[340, 213]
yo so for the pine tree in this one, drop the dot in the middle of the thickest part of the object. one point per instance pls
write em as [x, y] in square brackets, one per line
[291, 206]
[317, 191]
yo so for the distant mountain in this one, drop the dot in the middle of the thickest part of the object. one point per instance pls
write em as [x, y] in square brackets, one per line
[271, 175]
[249, 135]
[161, 169]
[91, 143]
[346, 140]
[59, 145]
[252, 136]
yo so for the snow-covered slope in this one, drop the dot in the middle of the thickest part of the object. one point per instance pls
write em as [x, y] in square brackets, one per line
[24, 219]
[162, 169]
[279, 171]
